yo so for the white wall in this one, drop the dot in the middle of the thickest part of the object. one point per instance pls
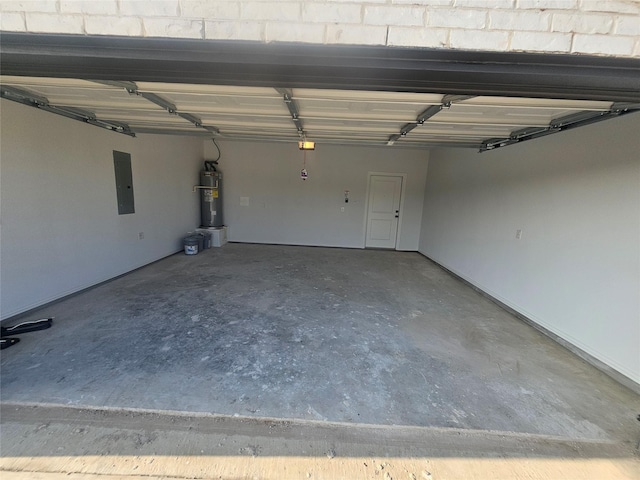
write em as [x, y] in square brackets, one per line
[60, 228]
[576, 197]
[285, 209]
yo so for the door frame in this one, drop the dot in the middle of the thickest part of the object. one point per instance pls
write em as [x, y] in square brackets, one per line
[366, 204]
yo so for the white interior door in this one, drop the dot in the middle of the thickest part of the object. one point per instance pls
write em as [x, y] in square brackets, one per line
[383, 211]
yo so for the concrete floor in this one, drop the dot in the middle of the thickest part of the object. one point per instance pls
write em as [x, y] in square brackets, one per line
[71, 443]
[359, 336]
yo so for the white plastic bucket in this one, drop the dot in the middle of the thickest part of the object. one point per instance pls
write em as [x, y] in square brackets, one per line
[191, 246]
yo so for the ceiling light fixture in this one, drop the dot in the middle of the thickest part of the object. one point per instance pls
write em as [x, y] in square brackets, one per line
[306, 145]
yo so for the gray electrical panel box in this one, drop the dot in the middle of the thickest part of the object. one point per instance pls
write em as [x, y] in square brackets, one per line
[124, 182]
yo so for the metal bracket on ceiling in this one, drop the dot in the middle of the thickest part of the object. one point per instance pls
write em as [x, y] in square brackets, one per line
[130, 87]
[158, 100]
[624, 106]
[171, 131]
[33, 99]
[426, 114]
[291, 104]
[574, 120]
[25, 96]
[165, 104]
[449, 100]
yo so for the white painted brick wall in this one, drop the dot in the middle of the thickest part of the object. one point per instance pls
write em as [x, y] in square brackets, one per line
[429, 3]
[550, 4]
[331, 13]
[234, 31]
[581, 23]
[42, 6]
[175, 28]
[274, 11]
[47, 23]
[611, 6]
[13, 22]
[603, 44]
[418, 37]
[209, 9]
[484, 3]
[107, 25]
[541, 42]
[479, 40]
[305, 33]
[400, 15]
[349, 1]
[628, 25]
[519, 21]
[100, 7]
[457, 18]
[356, 34]
[150, 8]
[599, 27]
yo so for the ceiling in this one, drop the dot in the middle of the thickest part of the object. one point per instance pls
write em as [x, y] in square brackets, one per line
[376, 118]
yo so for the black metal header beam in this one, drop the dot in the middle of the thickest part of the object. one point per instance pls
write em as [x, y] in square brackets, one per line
[321, 66]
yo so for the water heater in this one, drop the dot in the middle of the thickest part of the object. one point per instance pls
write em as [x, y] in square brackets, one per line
[211, 198]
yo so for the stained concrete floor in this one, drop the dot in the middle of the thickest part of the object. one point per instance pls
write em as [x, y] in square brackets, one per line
[360, 336]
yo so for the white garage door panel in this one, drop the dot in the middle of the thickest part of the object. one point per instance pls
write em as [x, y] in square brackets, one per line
[327, 116]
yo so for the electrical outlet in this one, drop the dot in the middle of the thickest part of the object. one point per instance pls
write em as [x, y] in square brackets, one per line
[141, 236]
[518, 234]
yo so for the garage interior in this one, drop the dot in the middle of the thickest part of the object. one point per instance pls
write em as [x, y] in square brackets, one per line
[364, 336]
[507, 300]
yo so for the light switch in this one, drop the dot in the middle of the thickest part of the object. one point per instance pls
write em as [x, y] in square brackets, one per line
[244, 201]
